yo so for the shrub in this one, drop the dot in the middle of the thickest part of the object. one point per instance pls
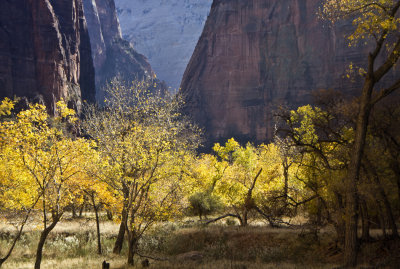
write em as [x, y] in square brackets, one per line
[204, 203]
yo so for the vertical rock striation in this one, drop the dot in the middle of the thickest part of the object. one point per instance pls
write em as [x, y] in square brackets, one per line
[45, 52]
[256, 54]
[166, 31]
[112, 55]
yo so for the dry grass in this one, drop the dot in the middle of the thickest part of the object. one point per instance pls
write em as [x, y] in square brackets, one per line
[72, 244]
[229, 264]
[84, 263]
[78, 263]
[262, 244]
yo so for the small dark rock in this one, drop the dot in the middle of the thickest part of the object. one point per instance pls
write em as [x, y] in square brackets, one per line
[106, 265]
[145, 263]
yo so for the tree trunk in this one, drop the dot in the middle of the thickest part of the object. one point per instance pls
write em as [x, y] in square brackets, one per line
[339, 222]
[365, 221]
[382, 221]
[82, 208]
[132, 249]
[122, 227]
[340, 228]
[3, 260]
[249, 201]
[286, 178]
[396, 169]
[121, 233]
[74, 215]
[351, 240]
[244, 219]
[96, 212]
[17, 237]
[384, 198]
[389, 212]
[109, 215]
[318, 220]
[42, 240]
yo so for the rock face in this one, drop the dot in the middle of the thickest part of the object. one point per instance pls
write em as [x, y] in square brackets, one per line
[256, 54]
[112, 55]
[45, 51]
[166, 31]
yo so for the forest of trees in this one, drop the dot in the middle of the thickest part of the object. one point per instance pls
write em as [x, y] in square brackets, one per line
[336, 162]
[139, 164]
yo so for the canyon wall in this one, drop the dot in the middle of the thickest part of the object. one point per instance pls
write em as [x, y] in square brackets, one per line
[166, 31]
[45, 52]
[112, 55]
[254, 55]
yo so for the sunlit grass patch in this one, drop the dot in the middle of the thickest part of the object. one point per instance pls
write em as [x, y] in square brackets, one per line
[185, 244]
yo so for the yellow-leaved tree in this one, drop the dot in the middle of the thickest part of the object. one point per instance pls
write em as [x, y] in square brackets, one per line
[204, 173]
[376, 24]
[251, 174]
[144, 141]
[321, 141]
[43, 164]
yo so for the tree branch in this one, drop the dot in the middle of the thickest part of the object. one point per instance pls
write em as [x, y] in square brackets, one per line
[385, 92]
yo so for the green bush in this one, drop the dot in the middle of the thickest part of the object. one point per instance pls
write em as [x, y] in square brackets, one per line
[204, 203]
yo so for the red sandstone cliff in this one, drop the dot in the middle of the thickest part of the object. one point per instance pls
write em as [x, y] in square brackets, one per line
[45, 51]
[256, 54]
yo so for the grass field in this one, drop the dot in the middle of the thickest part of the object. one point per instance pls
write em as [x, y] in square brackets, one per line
[186, 244]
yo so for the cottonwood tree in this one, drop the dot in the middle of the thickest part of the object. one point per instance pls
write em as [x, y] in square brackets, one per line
[45, 164]
[380, 163]
[251, 174]
[97, 193]
[144, 141]
[205, 172]
[13, 195]
[377, 24]
[321, 139]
